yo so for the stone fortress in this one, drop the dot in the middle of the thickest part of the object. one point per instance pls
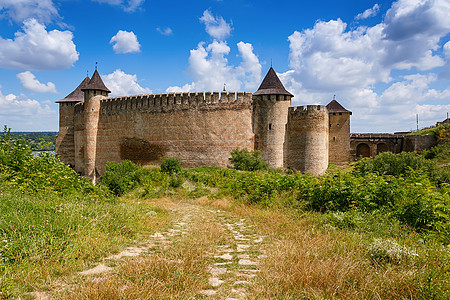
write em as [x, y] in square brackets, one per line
[199, 128]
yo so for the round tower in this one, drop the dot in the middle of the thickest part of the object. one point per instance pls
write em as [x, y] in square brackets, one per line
[270, 113]
[94, 92]
[307, 139]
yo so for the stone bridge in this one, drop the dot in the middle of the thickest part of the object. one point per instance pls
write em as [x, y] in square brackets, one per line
[371, 144]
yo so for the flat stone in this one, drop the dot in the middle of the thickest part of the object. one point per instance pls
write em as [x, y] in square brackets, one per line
[215, 282]
[208, 292]
[217, 271]
[245, 256]
[241, 248]
[262, 256]
[242, 282]
[223, 263]
[97, 270]
[226, 256]
[246, 262]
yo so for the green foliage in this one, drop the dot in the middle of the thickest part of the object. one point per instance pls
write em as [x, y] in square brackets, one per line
[120, 177]
[394, 164]
[171, 165]
[27, 173]
[412, 198]
[438, 131]
[431, 153]
[175, 181]
[245, 160]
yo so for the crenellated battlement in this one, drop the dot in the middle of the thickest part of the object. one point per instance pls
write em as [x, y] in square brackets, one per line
[305, 109]
[176, 101]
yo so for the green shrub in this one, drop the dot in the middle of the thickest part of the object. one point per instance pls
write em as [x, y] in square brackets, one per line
[171, 165]
[175, 181]
[245, 160]
[34, 174]
[120, 177]
[394, 164]
[431, 153]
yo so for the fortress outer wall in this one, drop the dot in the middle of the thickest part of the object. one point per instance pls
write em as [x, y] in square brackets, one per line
[65, 146]
[198, 128]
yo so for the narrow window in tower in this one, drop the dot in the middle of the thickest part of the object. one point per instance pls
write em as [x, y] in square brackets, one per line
[337, 125]
[270, 126]
[340, 114]
[334, 139]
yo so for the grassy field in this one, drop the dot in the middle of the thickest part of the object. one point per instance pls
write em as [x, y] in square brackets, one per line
[377, 230]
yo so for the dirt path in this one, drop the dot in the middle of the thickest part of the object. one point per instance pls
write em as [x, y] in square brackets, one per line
[230, 254]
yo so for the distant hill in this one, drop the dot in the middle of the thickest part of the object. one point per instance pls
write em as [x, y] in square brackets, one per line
[38, 141]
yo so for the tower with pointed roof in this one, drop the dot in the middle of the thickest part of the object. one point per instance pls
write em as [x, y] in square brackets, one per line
[65, 144]
[339, 133]
[94, 91]
[270, 114]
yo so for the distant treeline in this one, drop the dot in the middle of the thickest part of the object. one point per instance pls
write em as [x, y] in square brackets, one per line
[38, 141]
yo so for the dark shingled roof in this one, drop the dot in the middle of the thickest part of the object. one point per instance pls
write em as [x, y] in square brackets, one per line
[271, 85]
[334, 107]
[96, 83]
[77, 95]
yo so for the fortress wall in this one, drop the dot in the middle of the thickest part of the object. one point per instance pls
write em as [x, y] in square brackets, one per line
[339, 139]
[79, 137]
[307, 139]
[198, 128]
[418, 143]
[64, 146]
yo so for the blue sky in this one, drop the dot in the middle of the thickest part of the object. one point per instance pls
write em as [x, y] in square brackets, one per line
[386, 61]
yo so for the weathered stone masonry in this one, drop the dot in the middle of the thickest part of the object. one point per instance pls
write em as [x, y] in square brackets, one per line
[198, 128]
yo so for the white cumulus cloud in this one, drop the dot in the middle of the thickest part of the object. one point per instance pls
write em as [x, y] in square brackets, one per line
[331, 58]
[208, 65]
[29, 82]
[370, 12]
[125, 42]
[123, 84]
[166, 31]
[21, 113]
[216, 27]
[20, 10]
[37, 48]
[126, 5]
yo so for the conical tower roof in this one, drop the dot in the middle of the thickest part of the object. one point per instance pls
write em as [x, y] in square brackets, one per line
[77, 95]
[96, 83]
[271, 85]
[336, 107]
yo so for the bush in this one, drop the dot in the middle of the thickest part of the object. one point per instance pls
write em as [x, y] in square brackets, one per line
[121, 177]
[245, 160]
[171, 166]
[431, 153]
[394, 164]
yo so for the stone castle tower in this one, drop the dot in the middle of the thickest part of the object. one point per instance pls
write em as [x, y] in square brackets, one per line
[270, 116]
[339, 137]
[94, 92]
[199, 128]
